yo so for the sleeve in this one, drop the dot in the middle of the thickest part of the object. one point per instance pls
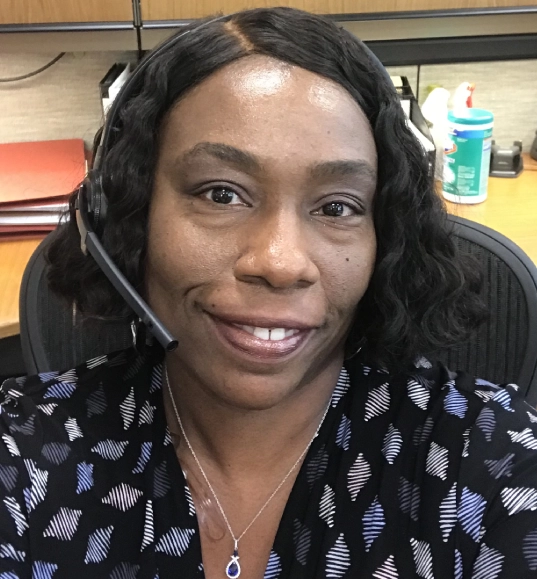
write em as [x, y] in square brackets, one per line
[498, 490]
[15, 484]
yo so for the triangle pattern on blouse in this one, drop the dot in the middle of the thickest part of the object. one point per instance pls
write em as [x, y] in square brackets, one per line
[393, 442]
[302, 539]
[327, 506]
[422, 558]
[488, 564]
[359, 474]
[470, 512]
[127, 409]
[448, 512]
[40, 570]
[63, 524]
[175, 542]
[373, 523]
[418, 393]
[387, 570]
[338, 559]
[98, 545]
[274, 567]
[110, 449]
[378, 402]
[149, 529]
[122, 497]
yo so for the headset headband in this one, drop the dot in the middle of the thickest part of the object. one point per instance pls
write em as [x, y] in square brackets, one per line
[134, 80]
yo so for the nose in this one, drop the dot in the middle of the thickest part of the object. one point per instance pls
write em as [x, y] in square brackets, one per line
[276, 252]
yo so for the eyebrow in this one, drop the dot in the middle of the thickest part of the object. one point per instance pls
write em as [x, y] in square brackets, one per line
[250, 163]
[227, 153]
[344, 168]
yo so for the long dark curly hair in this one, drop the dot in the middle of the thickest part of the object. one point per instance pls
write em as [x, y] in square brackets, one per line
[422, 297]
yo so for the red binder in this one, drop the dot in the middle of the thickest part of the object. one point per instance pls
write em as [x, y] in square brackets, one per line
[35, 178]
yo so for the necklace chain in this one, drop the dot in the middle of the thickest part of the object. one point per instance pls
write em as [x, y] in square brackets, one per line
[237, 539]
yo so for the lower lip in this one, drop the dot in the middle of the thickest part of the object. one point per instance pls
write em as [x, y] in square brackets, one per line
[249, 344]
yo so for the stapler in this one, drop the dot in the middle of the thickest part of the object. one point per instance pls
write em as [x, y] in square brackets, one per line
[506, 161]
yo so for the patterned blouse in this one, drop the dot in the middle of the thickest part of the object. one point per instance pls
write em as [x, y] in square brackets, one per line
[421, 474]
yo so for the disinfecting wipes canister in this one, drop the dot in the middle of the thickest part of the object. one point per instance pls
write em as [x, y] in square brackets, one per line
[467, 155]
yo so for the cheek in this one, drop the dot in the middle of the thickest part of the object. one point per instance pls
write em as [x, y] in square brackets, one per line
[348, 273]
[183, 260]
[181, 256]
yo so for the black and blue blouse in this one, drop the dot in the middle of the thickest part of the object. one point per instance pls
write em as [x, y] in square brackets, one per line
[425, 473]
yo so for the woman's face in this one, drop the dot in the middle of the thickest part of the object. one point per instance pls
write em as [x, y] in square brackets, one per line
[261, 237]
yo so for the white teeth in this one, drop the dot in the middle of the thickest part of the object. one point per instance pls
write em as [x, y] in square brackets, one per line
[262, 333]
[273, 334]
[277, 334]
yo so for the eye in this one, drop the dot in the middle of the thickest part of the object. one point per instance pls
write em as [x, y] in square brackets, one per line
[337, 209]
[223, 196]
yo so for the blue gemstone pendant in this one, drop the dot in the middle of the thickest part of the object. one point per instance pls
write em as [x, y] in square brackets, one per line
[233, 569]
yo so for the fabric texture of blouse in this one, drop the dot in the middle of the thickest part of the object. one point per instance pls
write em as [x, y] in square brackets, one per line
[425, 474]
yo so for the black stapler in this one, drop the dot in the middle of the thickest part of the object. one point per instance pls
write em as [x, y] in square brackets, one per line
[506, 161]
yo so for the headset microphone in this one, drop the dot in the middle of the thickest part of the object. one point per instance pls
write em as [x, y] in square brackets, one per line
[91, 204]
[89, 242]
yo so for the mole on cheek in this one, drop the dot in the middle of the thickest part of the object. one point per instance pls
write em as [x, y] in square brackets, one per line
[346, 259]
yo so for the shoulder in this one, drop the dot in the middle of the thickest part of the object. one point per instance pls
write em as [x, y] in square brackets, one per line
[471, 448]
[452, 413]
[425, 389]
[501, 456]
[44, 414]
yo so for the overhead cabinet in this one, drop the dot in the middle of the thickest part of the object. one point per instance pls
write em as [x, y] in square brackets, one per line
[187, 9]
[64, 11]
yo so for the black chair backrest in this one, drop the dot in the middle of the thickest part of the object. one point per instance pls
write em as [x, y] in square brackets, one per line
[55, 336]
[503, 350]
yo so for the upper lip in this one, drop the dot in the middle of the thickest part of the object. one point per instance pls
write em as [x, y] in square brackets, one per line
[264, 321]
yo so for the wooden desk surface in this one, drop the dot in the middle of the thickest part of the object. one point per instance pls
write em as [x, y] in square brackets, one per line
[14, 256]
[511, 208]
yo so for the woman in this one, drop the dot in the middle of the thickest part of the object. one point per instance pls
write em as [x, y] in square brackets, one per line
[268, 201]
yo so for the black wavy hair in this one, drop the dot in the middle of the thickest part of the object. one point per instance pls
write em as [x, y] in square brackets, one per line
[422, 297]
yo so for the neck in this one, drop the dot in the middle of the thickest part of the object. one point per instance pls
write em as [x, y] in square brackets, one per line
[247, 444]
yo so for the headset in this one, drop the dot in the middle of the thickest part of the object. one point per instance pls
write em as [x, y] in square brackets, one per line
[91, 202]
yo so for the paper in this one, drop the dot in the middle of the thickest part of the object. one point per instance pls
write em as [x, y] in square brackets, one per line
[17, 218]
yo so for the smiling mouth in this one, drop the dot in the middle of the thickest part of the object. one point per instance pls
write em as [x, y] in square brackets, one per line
[261, 342]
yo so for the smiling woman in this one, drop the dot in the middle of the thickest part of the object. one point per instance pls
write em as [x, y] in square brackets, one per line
[266, 198]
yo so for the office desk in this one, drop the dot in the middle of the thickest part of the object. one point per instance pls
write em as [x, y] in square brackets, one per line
[511, 208]
[14, 256]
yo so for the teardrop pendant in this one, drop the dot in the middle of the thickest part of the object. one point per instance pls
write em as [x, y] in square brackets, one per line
[233, 569]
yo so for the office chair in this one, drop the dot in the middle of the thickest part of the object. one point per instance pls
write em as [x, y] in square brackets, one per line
[503, 350]
[55, 336]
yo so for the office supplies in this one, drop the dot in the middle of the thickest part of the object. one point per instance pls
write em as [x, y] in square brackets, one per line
[506, 161]
[36, 179]
[112, 82]
[467, 155]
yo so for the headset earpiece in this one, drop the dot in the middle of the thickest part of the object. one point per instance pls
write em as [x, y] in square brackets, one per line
[96, 202]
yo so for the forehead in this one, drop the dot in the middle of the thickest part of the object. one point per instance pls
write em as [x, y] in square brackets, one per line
[274, 110]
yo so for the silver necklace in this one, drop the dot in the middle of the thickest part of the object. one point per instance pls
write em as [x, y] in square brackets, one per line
[233, 568]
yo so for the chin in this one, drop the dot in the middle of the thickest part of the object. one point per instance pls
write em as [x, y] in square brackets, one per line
[255, 393]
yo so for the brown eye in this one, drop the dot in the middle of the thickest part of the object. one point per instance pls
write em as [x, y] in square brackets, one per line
[223, 196]
[337, 209]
